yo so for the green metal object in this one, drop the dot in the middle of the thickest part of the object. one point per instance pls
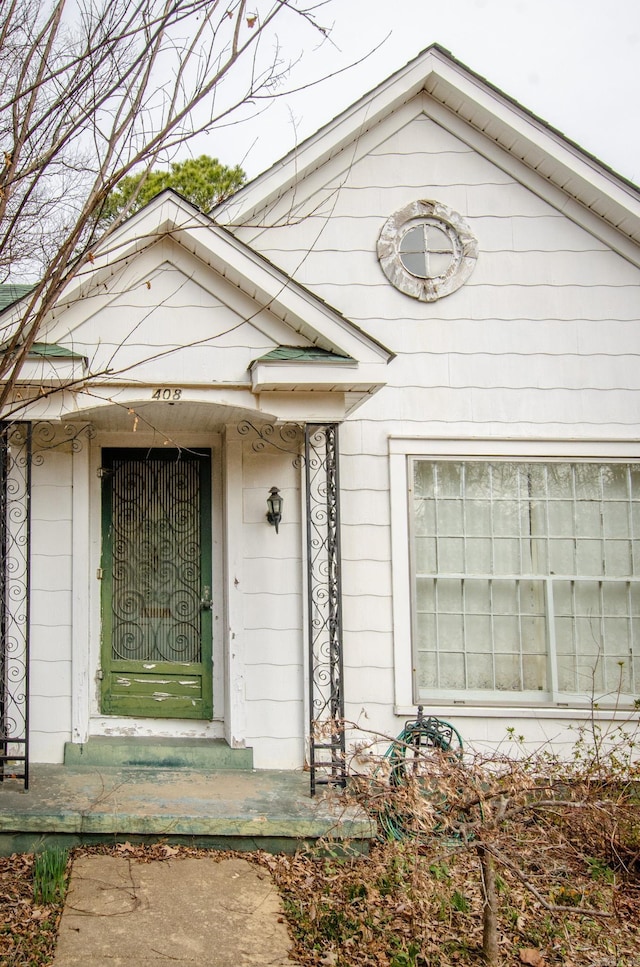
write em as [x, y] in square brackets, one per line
[416, 739]
[156, 584]
[406, 757]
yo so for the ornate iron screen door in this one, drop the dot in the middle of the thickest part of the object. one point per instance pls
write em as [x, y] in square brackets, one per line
[156, 590]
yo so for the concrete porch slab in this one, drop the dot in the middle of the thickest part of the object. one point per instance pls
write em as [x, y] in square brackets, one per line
[230, 810]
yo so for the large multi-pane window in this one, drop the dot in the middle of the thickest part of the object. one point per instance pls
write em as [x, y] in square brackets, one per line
[526, 580]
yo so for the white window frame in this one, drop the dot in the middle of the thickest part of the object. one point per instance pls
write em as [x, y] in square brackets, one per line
[401, 452]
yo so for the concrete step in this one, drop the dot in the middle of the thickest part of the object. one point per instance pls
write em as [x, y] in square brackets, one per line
[237, 809]
[158, 753]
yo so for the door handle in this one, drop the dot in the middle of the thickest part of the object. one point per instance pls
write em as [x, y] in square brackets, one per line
[205, 601]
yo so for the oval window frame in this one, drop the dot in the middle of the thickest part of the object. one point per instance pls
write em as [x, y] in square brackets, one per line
[464, 259]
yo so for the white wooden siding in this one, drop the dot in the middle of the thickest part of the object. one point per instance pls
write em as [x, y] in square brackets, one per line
[162, 324]
[543, 341]
[51, 596]
[272, 585]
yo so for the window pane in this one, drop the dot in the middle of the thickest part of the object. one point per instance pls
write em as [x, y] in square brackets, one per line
[448, 480]
[506, 556]
[478, 517]
[534, 636]
[506, 634]
[427, 671]
[587, 477]
[560, 518]
[449, 521]
[424, 517]
[560, 480]
[588, 519]
[508, 676]
[478, 596]
[615, 481]
[480, 672]
[478, 556]
[452, 671]
[425, 554]
[451, 555]
[450, 632]
[561, 556]
[478, 633]
[589, 558]
[535, 673]
[616, 519]
[423, 478]
[477, 480]
[426, 632]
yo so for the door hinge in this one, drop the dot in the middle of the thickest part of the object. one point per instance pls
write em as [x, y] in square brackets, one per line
[103, 472]
[100, 675]
[99, 574]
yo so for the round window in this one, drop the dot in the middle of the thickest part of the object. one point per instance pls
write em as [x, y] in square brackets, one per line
[426, 250]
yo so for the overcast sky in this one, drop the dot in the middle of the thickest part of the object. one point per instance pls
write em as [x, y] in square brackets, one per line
[574, 63]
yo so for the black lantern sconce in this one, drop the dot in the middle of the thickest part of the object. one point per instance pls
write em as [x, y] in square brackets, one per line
[274, 503]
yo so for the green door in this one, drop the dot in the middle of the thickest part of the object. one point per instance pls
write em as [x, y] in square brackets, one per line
[156, 583]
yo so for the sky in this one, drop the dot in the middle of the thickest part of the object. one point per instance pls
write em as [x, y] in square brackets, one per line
[574, 63]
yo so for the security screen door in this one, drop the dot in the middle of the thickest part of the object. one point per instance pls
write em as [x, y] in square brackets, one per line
[156, 583]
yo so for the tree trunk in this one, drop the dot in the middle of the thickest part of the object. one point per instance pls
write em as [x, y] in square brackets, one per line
[490, 949]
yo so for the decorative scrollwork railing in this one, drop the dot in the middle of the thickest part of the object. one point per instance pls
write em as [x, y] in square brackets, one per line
[15, 492]
[326, 701]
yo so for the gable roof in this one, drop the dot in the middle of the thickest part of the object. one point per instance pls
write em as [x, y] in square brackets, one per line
[315, 349]
[491, 118]
[170, 215]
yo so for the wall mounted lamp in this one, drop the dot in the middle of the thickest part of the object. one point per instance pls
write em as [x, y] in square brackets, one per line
[274, 504]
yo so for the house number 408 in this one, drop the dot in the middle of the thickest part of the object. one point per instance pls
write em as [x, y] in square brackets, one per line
[164, 393]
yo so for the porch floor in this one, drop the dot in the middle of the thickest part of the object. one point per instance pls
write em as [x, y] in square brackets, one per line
[239, 809]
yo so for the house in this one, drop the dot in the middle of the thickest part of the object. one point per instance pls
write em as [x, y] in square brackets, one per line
[421, 330]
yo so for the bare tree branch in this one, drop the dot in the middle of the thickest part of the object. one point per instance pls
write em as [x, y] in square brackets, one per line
[91, 90]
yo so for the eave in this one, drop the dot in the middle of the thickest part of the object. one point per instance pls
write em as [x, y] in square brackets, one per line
[457, 93]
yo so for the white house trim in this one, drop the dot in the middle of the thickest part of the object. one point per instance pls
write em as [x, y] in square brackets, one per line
[400, 449]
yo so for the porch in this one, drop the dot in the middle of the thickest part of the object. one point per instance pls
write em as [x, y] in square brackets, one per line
[175, 792]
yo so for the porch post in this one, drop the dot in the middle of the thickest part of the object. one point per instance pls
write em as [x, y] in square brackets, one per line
[15, 538]
[324, 590]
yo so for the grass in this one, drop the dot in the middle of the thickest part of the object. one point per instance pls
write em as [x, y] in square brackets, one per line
[50, 875]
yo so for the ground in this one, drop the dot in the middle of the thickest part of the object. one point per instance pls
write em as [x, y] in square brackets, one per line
[408, 904]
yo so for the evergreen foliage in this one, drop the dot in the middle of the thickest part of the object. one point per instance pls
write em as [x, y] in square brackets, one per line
[203, 181]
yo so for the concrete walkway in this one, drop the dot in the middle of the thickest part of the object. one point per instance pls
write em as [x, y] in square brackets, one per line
[182, 912]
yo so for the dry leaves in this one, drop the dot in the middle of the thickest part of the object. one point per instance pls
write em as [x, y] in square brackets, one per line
[404, 905]
[532, 957]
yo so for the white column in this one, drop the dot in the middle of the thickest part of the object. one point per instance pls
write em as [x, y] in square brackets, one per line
[235, 718]
[81, 583]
